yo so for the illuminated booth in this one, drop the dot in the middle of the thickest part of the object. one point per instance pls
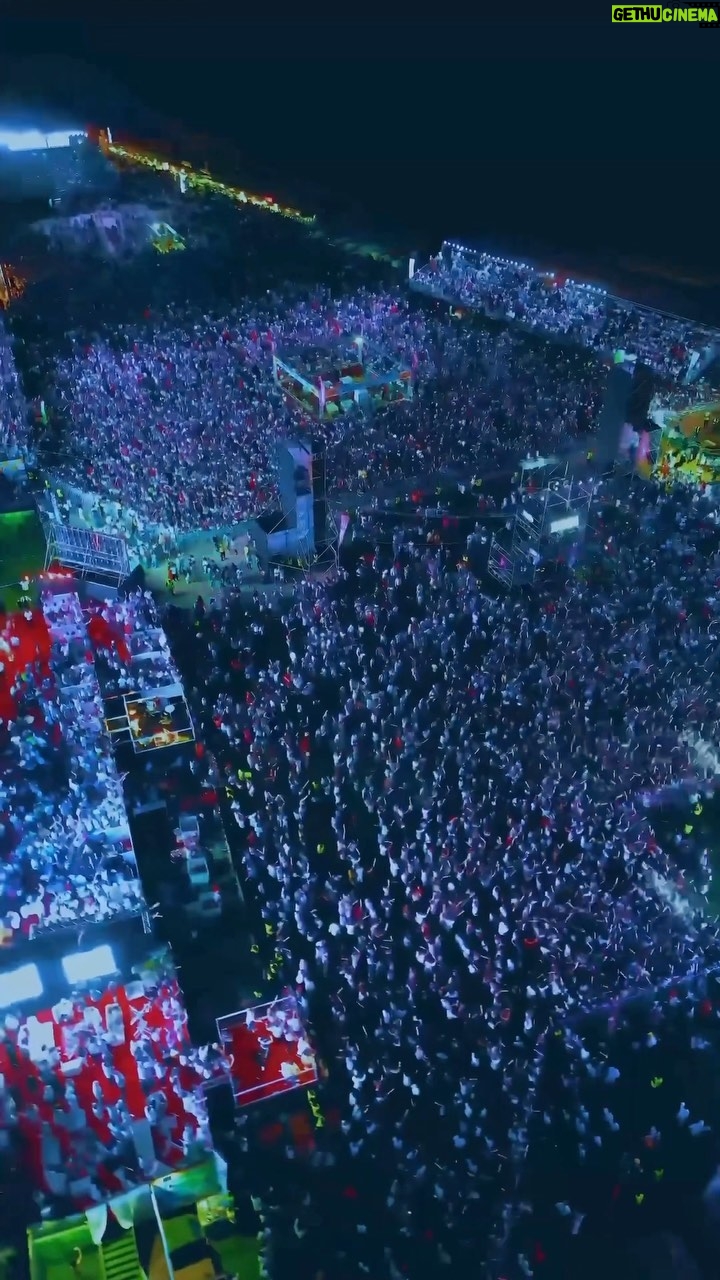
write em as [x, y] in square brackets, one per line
[165, 239]
[326, 382]
[12, 285]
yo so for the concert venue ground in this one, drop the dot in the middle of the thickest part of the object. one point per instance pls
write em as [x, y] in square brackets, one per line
[161, 948]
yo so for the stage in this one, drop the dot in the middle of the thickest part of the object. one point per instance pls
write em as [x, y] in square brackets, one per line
[268, 1050]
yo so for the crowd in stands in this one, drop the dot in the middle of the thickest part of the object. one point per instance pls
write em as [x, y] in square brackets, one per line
[564, 309]
[103, 1091]
[66, 853]
[131, 651]
[448, 823]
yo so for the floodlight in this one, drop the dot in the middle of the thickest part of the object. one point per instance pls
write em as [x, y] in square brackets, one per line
[59, 139]
[34, 140]
[86, 966]
[20, 985]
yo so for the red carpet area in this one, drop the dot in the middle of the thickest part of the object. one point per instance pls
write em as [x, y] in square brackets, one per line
[268, 1050]
[106, 1090]
[23, 641]
[105, 636]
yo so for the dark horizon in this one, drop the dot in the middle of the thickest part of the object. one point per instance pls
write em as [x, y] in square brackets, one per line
[557, 138]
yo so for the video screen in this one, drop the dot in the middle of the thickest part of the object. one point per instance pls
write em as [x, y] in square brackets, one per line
[159, 721]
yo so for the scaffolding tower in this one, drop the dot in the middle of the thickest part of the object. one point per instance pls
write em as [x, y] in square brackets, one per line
[92, 554]
[548, 523]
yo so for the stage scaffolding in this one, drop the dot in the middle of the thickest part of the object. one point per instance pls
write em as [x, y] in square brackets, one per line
[92, 554]
[547, 523]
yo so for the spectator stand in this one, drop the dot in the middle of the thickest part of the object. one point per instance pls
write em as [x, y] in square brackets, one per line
[98, 1074]
[550, 523]
[569, 311]
[68, 859]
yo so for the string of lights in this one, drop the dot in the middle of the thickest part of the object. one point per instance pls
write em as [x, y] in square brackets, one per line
[203, 182]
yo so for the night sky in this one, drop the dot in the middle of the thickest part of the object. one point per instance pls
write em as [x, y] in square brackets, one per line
[555, 128]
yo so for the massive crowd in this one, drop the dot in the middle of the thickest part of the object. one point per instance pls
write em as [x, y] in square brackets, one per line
[448, 823]
[565, 309]
[443, 801]
[176, 418]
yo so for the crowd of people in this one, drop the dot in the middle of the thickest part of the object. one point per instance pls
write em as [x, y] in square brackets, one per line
[623, 1138]
[66, 854]
[161, 415]
[171, 421]
[12, 405]
[445, 807]
[442, 800]
[565, 309]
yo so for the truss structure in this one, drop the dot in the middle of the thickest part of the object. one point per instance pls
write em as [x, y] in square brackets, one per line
[92, 554]
[547, 522]
[654, 445]
[301, 546]
[539, 473]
